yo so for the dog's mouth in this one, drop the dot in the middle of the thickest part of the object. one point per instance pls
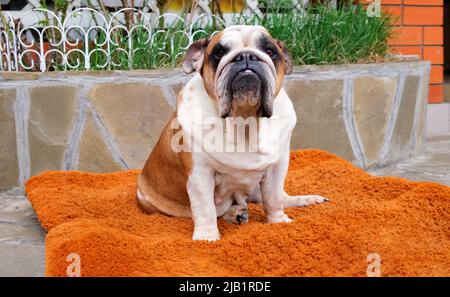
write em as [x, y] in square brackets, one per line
[245, 91]
[245, 88]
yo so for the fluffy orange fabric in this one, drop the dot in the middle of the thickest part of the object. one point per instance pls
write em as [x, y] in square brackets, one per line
[96, 215]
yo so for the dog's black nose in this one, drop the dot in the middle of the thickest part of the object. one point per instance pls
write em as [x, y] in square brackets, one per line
[246, 57]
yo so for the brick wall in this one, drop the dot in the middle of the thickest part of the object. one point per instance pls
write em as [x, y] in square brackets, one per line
[419, 30]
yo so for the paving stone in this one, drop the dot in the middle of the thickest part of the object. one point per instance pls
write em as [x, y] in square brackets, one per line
[21, 260]
[9, 167]
[22, 239]
[320, 119]
[134, 115]
[433, 164]
[53, 112]
[94, 154]
[373, 99]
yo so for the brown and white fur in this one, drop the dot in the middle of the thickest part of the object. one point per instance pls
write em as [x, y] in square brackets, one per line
[209, 184]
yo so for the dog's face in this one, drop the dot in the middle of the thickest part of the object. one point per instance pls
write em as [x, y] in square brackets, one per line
[242, 68]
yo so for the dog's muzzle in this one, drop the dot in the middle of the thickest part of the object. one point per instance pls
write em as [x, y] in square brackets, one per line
[246, 81]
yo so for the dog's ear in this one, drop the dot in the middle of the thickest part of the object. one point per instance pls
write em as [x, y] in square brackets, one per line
[286, 57]
[195, 54]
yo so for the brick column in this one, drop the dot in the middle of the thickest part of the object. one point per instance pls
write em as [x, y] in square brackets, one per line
[419, 30]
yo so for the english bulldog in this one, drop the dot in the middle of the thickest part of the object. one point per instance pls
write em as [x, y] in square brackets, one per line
[239, 74]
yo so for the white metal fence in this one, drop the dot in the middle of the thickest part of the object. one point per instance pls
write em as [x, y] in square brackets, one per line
[88, 38]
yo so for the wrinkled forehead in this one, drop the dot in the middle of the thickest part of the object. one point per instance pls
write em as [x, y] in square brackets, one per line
[241, 36]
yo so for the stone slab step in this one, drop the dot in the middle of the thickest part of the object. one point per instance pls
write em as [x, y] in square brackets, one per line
[438, 119]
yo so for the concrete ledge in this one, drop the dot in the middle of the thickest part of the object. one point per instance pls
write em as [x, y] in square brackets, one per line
[438, 119]
[370, 114]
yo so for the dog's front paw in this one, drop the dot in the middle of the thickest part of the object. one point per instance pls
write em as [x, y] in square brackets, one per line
[210, 234]
[278, 217]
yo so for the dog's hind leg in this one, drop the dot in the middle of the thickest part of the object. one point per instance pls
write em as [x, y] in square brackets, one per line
[302, 200]
[145, 205]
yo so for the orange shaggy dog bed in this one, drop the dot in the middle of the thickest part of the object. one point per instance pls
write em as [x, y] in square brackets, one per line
[96, 215]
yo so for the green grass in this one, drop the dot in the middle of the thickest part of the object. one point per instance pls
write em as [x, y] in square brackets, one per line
[330, 36]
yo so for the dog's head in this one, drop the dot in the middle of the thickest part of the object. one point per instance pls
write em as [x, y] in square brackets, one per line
[242, 68]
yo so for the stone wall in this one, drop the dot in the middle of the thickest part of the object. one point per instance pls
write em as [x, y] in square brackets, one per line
[107, 121]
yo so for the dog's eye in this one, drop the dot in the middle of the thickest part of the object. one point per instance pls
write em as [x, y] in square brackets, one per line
[270, 52]
[219, 52]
